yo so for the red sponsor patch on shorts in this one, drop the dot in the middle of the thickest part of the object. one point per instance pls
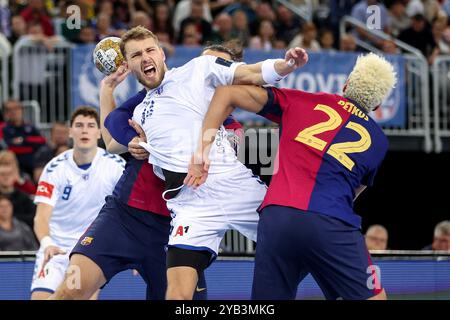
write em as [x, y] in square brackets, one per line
[45, 189]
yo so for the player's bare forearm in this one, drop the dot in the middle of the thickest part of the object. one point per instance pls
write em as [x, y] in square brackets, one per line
[246, 97]
[42, 220]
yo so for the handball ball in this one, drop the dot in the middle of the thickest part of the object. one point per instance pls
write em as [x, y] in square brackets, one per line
[107, 55]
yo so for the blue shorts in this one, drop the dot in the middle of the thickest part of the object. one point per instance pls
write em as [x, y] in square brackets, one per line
[123, 237]
[293, 243]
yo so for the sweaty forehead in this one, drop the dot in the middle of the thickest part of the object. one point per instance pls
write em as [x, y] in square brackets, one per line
[139, 44]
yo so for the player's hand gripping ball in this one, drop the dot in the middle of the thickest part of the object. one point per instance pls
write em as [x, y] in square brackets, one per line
[107, 55]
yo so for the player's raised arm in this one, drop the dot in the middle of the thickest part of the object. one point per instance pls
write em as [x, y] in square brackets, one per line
[271, 71]
[249, 98]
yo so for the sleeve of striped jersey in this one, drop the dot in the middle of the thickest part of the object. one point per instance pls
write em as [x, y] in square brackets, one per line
[117, 121]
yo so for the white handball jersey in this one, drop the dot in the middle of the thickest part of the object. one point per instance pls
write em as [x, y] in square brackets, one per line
[76, 195]
[172, 115]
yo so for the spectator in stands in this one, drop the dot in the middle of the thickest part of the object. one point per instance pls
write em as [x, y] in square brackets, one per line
[217, 6]
[287, 25]
[104, 28]
[326, 40]
[18, 28]
[163, 21]
[196, 18]
[24, 208]
[223, 25]
[22, 181]
[347, 43]
[245, 5]
[441, 239]
[35, 12]
[59, 142]
[399, 20]
[21, 137]
[265, 39]
[197, 9]
[376, 237]
[389, 47]
[14, 234]
[5, 15]
[419, 35]
[428, 8]
[240, 27]
[307, 39]
[339, 9]
[361, 12]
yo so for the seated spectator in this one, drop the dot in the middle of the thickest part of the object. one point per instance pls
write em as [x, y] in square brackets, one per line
[104, 28]
[441, 33]
[360, 11]
[399, 20]
[87, 35]
[263, 11]
[347, 43]
[428, 8]
[190, 35]
[18, 28]
[196, 18]
[35, 12]
[441, 239]
[141, 18]
[265, 39]
[223, 25]
[24, 208]
[376, 237]
[14, 234]
[389, 47]
[59, 137]
[21, 137]
[240, 29]
[287, 25]
[326, 40]
[185, 8]
[23, 182]
[307, 38]
[163, 21]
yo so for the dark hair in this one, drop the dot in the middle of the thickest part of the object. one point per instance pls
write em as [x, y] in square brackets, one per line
[87, 112]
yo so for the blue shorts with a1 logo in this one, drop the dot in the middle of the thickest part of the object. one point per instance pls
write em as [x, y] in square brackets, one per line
[293, 243]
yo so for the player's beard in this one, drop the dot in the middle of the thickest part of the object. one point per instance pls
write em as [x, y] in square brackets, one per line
[160, 73]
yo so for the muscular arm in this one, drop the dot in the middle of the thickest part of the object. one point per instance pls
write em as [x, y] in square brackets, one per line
[42, 220]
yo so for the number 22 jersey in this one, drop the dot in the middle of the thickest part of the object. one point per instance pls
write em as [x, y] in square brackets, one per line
[329, 146]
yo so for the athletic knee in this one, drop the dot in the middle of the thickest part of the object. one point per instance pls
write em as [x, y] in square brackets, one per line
[178, 293]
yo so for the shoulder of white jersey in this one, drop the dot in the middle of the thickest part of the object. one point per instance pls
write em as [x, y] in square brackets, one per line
[57, 161]
[207, 59]
[112, 157]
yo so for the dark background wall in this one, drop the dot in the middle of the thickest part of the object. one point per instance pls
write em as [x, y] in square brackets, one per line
[409, 197]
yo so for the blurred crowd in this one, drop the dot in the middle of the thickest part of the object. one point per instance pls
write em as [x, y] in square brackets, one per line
[263, 25]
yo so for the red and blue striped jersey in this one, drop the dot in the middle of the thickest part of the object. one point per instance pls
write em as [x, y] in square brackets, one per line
[329, 146]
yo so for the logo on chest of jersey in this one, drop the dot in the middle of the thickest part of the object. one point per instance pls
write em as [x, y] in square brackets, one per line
[86, 241]
[148, 110]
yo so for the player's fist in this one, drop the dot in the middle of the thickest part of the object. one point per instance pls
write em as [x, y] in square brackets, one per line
[50, 252]
[297, 57]
[115, 78]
